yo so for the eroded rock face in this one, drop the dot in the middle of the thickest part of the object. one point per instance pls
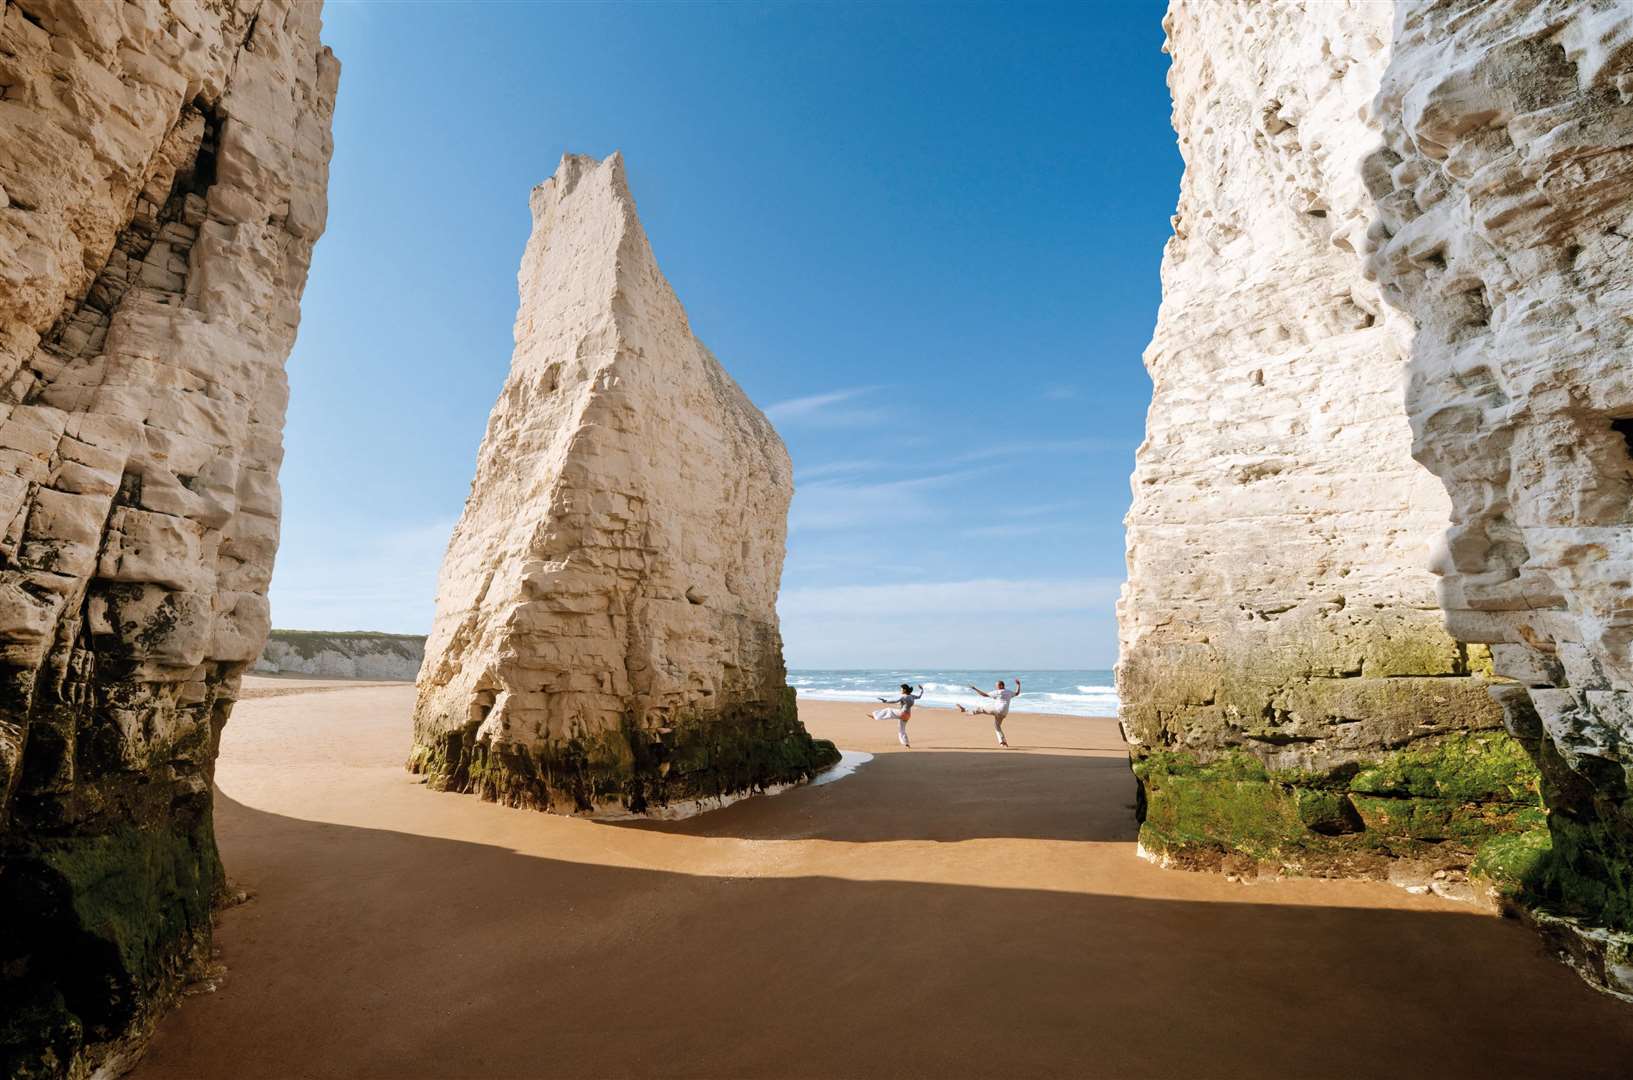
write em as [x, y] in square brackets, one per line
[1504, 195]
[606, 632]
[1290, 695]
[162, 176]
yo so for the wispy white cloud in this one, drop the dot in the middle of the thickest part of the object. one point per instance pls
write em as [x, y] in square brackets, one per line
[975, 596]
[1017, 529]
[834, 468]
[1033, 519]
[819, 408]
[1034, 448]
[1060, 392]
[852, 562]
[1040, 509]
[890, 504]
[906, 483]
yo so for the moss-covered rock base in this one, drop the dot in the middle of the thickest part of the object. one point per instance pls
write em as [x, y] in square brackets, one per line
[100, 934]
[1586, 871]
[1573, 881]
[633, 769]
[1603, 957]
[1453, 802]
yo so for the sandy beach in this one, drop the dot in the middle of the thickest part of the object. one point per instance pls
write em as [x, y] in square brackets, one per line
[954, 910]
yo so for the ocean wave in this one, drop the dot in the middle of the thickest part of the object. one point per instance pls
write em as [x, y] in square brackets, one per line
[1082, 692]
[1061, 704]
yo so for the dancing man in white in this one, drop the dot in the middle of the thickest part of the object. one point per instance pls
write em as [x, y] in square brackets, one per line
[997, 707]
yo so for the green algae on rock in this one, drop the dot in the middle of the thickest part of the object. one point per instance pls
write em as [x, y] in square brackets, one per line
[1295, 756]
[1443, 800]
[694, 761]
[102, 932]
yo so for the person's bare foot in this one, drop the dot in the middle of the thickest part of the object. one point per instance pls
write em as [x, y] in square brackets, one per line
[961, 708]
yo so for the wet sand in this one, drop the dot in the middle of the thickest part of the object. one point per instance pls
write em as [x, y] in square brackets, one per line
[951, 911]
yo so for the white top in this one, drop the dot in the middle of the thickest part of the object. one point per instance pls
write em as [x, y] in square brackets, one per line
[1002, 695]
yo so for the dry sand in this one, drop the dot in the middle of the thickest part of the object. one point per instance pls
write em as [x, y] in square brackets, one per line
[954, 910]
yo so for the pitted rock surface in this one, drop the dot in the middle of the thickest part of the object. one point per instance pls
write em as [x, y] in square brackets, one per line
[162, 182]
[606, 634]
[1504, 199]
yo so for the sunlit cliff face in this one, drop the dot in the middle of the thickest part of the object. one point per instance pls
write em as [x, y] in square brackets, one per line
[606, 633]
[1282, 654]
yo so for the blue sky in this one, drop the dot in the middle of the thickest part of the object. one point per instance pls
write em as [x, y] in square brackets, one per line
[924, 238]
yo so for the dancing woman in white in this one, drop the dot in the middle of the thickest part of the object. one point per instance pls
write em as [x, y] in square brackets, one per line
[902, 713]
[998, 708]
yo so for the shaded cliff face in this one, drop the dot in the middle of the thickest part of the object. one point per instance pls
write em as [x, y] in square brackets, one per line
[606, 632]
[162, 172]
[1505, 202]
[356, 654]
[1289, 692]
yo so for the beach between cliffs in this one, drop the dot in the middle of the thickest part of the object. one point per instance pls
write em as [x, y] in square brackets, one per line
[953, 910]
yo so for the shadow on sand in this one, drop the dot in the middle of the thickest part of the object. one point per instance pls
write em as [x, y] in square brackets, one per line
[973, 795]
[385, 954]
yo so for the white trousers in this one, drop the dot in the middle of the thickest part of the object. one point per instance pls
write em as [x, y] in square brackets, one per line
[896, 715]
[996, 710]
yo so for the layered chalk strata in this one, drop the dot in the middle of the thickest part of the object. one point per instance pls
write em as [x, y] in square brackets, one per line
[606, 633]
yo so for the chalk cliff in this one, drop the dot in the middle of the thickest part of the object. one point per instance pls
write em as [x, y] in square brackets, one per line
[606, 633]
[356, 654]
[162, 182]
[1504, 197]
[1290, 695]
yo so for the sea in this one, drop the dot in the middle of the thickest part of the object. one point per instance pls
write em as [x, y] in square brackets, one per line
[1076, 692]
